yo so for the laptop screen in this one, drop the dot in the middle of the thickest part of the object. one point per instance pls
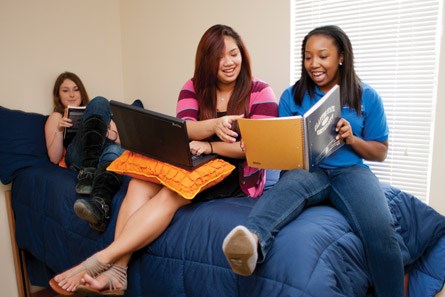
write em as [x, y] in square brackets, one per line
[156, 135]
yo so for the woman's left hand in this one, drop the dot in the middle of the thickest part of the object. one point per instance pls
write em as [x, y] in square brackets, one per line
[200, 147]
[344, 130]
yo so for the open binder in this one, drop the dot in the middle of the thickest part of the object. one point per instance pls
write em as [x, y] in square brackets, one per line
[294, 142]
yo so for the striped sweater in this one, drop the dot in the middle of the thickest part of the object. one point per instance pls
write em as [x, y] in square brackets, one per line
[262, 104]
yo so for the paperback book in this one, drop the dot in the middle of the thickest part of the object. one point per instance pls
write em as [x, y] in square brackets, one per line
[75, 113]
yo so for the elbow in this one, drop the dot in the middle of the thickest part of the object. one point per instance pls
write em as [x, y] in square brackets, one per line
[381, 156]
[52, 160]
[382, 152]
[54, 157]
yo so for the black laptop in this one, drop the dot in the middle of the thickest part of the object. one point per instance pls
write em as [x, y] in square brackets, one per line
[155, 135]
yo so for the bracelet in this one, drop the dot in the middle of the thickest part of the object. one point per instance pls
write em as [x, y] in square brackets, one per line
[211, 147]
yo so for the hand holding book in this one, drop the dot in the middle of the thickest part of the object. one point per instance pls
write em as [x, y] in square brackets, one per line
[74, 114]
[344, 131]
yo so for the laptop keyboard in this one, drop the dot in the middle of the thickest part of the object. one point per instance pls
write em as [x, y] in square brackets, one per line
[196, 157]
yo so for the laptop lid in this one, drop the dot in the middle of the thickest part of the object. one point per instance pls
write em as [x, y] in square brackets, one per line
[155, 135]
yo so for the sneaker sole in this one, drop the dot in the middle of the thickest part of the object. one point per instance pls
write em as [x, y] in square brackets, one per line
[240, 249]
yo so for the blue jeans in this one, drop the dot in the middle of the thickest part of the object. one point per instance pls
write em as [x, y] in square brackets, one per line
[98, 107]
[357, 194]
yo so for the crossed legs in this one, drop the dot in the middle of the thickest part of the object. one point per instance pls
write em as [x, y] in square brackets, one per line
[146, 212]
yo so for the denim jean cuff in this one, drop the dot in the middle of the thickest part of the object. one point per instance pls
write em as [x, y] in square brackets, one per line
[260, 249]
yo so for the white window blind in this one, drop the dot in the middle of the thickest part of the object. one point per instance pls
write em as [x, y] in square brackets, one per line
[396, 50]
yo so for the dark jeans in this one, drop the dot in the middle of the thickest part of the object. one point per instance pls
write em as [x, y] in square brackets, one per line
[98, 107]
[357, 194]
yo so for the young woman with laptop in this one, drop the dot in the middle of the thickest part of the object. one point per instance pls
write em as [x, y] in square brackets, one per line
[221, 91]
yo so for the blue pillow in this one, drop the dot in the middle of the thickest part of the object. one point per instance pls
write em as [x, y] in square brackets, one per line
[22, 142]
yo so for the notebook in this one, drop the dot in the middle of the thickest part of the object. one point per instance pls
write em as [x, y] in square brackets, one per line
[155, 135]
[296, 141]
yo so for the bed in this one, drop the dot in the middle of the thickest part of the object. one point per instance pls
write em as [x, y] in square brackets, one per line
[315, 255]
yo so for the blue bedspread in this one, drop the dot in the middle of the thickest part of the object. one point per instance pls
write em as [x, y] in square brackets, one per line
[315, 255]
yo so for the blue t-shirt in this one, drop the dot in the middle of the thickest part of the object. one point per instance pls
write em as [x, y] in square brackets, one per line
[371, 125]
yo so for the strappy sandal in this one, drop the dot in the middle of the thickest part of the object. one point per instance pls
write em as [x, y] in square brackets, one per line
[92, 266]
[116, 274]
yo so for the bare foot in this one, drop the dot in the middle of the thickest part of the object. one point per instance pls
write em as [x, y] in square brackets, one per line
[71, 279]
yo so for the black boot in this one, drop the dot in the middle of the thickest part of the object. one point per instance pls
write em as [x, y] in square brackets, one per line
[93, 135]
[96, 209]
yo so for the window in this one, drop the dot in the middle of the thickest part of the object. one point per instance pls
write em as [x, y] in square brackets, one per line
[396, 50]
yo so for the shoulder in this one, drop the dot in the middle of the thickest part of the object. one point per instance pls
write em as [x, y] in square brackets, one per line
[55, 116]
[53, 120]
[287, 93]
[287, 97]
[188, 85]
[369, 94]
[187, 104]
[261, 91]
[262, 101]
[372, 102]
[187, 91]
[258, 85]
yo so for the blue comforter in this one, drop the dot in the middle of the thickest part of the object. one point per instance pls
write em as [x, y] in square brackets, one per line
[315, 255]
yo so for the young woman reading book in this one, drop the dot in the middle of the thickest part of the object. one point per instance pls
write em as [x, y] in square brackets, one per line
[342, 178]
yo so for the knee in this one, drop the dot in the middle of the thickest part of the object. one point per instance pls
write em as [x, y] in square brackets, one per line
[111, 152]
[99, 101]
[98, 107]
[138, 187]
[170, 199]
[98, 104]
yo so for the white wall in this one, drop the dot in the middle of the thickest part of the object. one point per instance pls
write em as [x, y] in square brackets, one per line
[437, 197]
[159, 43]
[40, 39]
[7, 276]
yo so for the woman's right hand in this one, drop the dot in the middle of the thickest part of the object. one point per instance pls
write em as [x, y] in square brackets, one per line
[223, 128]
[63, 123]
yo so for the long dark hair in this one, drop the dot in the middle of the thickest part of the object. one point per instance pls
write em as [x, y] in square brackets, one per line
[205, 79]
[58, 106]
[350, 84]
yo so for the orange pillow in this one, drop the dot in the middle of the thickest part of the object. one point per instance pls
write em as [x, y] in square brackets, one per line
[185, 183]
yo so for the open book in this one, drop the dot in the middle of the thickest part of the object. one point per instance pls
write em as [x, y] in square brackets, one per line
[294, 142]
[75, 113]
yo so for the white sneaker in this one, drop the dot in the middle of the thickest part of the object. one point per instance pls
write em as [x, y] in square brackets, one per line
[240, 249]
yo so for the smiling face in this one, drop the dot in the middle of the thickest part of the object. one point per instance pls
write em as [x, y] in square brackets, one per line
[69, 93]
[321, 61]
[230, 63]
